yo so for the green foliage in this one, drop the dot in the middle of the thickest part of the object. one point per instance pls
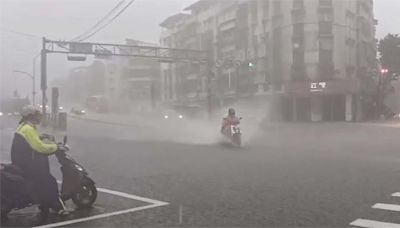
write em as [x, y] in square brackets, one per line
[389, 48]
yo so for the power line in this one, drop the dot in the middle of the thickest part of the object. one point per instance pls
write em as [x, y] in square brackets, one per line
[20, 33]
[109, 22]
[100, 21]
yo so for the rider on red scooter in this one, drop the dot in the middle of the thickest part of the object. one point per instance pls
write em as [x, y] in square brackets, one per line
[228, 121]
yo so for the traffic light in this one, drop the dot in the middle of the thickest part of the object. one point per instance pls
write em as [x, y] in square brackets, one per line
[251, 65]
[384, 71]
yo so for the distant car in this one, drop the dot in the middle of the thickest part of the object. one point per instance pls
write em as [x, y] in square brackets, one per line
[78, 111]
[60, 108]
[41, 106]
[171, 115]
[189, 111]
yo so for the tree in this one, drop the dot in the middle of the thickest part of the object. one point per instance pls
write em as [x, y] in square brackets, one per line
[389, 48]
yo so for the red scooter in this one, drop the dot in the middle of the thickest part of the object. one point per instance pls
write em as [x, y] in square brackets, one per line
[233, 133]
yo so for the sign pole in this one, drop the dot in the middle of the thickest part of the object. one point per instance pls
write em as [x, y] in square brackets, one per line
[43, 71]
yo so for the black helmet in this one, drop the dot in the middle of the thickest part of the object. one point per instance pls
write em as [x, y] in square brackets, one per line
[231, 112]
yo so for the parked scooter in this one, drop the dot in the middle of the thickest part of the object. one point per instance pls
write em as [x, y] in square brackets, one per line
[76, 185]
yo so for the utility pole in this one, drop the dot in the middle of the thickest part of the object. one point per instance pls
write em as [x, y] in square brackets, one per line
[381, 90]
[210, 74]
[209, 105]
[34, 79]
[43, 71]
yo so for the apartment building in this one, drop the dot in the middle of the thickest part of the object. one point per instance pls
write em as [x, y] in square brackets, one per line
[314, 56]
[131, 84]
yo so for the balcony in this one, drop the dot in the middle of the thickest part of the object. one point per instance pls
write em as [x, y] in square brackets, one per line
[298, 33]
[362, 4]
[325, 17]
[298, 72]
[350, 42]
[298, 4]
[227, 26]
[325, 6]
[326, 70]
[325, 29]
[298, 14]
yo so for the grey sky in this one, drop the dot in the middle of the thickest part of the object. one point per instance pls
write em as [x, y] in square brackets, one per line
[64, 19]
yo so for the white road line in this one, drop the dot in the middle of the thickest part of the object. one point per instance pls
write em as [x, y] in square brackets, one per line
[389, 207]
[397, 194]
[153, 204]
[373, 224]
[126, 195]
[133, 197]
[69, 222]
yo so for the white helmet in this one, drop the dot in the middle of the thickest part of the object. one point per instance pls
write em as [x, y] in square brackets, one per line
[30, 110]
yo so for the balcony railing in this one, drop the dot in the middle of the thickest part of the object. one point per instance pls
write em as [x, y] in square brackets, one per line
[325, 4]
[298, 4]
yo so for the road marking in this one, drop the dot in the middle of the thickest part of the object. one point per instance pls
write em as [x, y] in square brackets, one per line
[373, 224]
[153, 204]
[133, 197]
[69, 222]
[126, 195]
[389, 207]
[397, 194]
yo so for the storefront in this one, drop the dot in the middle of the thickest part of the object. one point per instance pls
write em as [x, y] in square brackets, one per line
[336, 100]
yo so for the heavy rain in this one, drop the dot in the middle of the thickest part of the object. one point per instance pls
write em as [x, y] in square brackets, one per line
[200, 113]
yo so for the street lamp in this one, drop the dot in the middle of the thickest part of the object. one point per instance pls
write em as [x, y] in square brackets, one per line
[33, 83]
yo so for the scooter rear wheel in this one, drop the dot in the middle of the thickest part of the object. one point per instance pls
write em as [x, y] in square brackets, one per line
[86, 195]
[237, 140]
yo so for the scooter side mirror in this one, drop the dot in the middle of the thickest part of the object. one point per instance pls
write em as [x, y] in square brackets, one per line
[65, 140]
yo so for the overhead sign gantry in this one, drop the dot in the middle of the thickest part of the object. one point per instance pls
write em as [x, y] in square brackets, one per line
[106, 50]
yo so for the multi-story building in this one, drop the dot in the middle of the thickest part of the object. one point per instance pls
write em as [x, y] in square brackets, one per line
[315, 56]
[132, 83]
[82, 82]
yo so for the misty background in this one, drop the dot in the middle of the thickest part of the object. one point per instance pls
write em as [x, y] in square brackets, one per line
[24, 22]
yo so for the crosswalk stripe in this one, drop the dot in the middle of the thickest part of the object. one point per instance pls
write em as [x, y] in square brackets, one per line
[397, 194]
[389, 207]
[373, 224]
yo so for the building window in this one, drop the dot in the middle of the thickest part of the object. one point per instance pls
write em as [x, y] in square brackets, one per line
[298, 4]
[265, 8]
[325, 3]
[350, 70]
[277, 6]
[325, 57]
[254, 11]
[326, 44]
[325, 29]
[326, 17]
[298, 30]
[350, 42]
